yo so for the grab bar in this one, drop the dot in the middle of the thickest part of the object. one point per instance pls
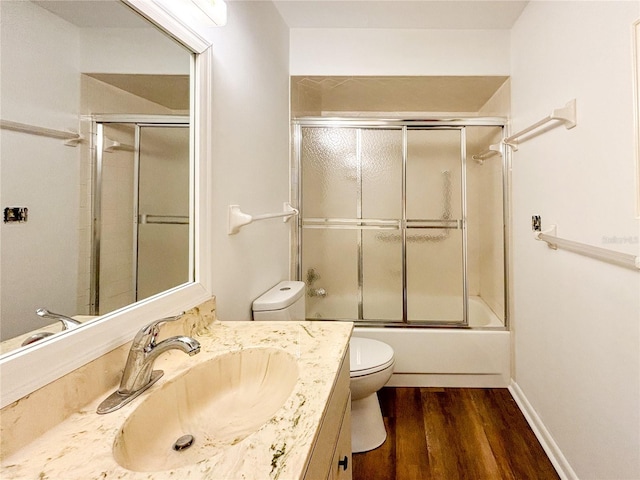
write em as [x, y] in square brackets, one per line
[357, 223]
[566, 115]
[237, 218]
[71, 139]
[146, 218]
[611, 256]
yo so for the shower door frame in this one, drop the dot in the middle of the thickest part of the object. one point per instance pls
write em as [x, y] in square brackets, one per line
[97, 152]
[435, 123]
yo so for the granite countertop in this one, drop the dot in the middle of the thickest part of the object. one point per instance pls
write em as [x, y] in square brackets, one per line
[81, 446]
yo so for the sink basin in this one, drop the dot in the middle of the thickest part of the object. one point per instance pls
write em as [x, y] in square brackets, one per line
[218, 402]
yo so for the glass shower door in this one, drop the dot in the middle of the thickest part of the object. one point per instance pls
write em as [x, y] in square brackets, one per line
[351, 209]
[435, 259]
[381, 246]
[162, 258]
[382, 233]
[329, 231]
[141, 232]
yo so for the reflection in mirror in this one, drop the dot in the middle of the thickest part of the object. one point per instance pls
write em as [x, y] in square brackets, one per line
[108, 216]
[142, 173]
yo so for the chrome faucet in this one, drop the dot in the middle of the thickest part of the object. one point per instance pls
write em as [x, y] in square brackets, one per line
[67, 322]
[138, 372]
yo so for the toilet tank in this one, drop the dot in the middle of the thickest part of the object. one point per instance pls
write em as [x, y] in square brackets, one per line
[285, 301]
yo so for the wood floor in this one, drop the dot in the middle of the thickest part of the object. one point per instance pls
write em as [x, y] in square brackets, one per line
[453, 434]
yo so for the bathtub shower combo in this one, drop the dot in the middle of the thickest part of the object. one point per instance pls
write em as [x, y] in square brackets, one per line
[400, 227]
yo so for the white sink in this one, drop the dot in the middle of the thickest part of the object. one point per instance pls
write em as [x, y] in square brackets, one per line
[218, 402]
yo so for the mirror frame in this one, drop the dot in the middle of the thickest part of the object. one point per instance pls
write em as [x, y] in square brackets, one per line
[25, 370]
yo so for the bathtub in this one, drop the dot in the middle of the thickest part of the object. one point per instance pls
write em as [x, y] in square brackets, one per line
[481, 316]
[336, 307]
[478, 356]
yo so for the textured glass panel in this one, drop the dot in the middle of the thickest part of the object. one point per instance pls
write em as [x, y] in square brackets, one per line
[434, 275]
[485, 223]
[163, 191]
[330, 269]
[329, 172]
[381, 173]
[433, 174]
[382, 275]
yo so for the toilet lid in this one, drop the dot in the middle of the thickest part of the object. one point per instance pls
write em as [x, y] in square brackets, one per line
[369, 356]
[281, 296]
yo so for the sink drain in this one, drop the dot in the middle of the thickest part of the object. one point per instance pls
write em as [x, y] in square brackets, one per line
[183, 443]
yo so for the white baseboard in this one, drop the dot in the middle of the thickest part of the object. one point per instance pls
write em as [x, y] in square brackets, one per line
[550, 447]
[448, 380]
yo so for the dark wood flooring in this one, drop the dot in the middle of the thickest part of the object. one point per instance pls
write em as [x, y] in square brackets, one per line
[453, 434]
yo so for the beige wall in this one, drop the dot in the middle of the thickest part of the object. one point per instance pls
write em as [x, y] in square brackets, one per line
[250, 154]
[576, 320]
[362, 51]
[40, 85]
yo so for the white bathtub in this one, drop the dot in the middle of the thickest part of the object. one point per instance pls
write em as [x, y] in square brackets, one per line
[480, 315]
[449, 357]
[336, 307]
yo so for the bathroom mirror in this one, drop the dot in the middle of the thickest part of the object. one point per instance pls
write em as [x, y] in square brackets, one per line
[112, 113]
[91, 231]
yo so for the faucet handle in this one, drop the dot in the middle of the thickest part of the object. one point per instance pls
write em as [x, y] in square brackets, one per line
[146, 337]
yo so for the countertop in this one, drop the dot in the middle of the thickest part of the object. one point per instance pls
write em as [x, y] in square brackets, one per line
[81, 446]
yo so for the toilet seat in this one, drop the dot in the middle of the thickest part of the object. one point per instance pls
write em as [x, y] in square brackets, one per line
[369, 356]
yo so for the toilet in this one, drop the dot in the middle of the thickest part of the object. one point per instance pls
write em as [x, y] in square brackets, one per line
[372, 364]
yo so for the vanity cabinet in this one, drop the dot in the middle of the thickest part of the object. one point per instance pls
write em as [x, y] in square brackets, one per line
[341, 464]
[331, 454]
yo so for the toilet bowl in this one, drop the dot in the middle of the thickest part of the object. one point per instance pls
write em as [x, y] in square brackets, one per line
[372, 364]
